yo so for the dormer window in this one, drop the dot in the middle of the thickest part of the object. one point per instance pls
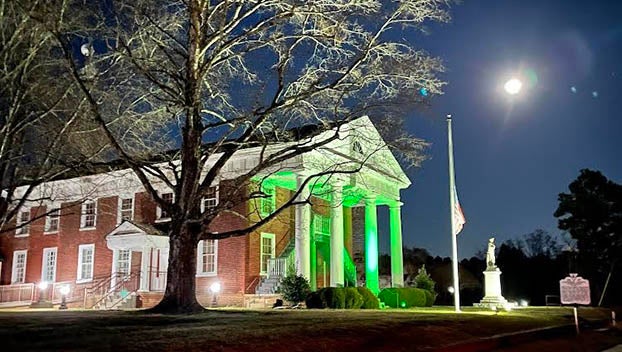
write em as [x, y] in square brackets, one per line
[268, 202]
[357, 148]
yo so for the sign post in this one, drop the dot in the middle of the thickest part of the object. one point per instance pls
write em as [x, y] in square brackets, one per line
[574, 290]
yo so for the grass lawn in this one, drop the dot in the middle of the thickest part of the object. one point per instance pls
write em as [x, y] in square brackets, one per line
[269, 330]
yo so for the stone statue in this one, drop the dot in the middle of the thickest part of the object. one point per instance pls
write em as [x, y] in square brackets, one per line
[490, 254]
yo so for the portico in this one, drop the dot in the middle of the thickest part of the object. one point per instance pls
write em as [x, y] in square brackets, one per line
[128, 238]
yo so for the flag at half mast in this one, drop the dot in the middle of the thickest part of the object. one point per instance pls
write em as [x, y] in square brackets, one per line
[457, 215]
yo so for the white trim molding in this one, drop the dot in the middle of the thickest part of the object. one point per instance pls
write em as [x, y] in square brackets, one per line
[81, 276]
[15, 277]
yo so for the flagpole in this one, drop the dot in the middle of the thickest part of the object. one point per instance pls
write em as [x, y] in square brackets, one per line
[452, 205]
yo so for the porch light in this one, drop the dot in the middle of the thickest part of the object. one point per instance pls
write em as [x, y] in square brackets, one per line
[43, 285]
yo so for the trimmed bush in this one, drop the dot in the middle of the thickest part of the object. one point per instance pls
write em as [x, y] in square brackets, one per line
[354, 300]
[333, 297]
[370, 301]
[430, 297]
[314, 301]
[342, 297]
[403, 297]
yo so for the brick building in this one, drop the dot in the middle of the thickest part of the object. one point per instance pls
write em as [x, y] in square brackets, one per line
[102, 237]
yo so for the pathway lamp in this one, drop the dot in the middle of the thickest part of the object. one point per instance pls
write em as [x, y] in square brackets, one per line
[64, 291]
[43, 285]
[215, 289]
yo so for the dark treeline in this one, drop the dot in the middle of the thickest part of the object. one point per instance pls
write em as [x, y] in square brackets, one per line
[531, 266]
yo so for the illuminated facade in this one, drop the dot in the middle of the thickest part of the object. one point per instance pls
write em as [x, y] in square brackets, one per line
[109, 236]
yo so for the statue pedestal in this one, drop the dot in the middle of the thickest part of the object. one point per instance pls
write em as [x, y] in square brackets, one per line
[492, 293]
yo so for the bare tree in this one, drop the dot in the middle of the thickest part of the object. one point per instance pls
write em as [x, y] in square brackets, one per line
[280, 76]
[40, 107]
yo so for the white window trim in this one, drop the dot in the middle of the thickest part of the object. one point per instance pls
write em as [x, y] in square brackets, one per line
[266, 235]
[216, 194]
[44, 262]
[116, 260]
[48, 219]
[19, 222]
[201, 273]
[79, 272]
[159, 217]
[14, 267]
[120, 204]
[83, 215]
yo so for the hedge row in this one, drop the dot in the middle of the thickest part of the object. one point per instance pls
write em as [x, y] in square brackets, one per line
[342, 298]
[407, 297]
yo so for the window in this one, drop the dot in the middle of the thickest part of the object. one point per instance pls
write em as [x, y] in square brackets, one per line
[162, 214]
[48, 267]
[52, 221]
[321, 224]
[267, 251]
[268, 203]
[86, 255]
[356, 146]
[210, 201]
[19, 267]
[89, 214]
[23, 220]
[126, 209]
[123, 261]
[208, 257]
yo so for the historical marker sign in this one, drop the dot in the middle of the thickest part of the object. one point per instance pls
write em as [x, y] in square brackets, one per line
[574, 290]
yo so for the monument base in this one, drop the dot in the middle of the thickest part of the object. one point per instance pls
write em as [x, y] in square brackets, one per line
[492, 286]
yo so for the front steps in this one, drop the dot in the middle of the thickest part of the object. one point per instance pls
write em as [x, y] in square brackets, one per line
[117, 301]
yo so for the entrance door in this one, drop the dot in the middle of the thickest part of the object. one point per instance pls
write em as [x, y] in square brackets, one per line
[157, 269]
[267, 252]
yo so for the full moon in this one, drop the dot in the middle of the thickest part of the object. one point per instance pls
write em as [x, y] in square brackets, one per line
[513, 86]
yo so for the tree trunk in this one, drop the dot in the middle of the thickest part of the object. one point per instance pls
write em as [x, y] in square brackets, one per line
[180, 295]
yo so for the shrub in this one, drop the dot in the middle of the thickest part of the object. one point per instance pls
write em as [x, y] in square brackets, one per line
[403, 297]
[370, 301]
[333, 297]
[342, 297]
[423, 280]
[430, 298]
[354, 300]
[314, 301]
[294, 288]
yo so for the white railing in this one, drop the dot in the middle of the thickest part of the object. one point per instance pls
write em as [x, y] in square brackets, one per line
[277, 267]
[157, 280]
[17, 293]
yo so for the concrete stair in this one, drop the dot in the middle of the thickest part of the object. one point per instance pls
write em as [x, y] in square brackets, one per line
[117, 301]
[268, 286]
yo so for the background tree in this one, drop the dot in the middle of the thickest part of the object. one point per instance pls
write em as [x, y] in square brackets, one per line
[41, 109]
[592, 214]
[222, 76]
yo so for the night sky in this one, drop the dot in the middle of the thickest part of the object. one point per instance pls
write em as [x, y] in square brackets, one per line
[513, 156]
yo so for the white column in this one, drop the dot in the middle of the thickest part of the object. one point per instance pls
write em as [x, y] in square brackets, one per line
[336, 238]
[113, 274]
[144, 269]
[397, 262]
[303, 227]
[371, 244]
